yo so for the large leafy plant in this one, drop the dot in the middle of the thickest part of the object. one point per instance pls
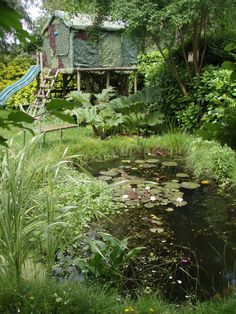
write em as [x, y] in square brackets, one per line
[108, 258]
[94, 110]
[138, 114]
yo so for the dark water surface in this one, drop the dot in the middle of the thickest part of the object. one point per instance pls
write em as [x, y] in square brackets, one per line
[189, 234]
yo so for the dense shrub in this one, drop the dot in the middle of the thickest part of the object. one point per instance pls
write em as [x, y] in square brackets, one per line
[11, 71]
[208, 96]
[211, 95]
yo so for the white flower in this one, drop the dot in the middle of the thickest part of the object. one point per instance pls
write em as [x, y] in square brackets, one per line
[179, 199]
[152, 198]
[147, 187]
[125, 196]
[179, 281]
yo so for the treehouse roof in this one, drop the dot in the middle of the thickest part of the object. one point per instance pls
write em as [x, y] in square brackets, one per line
[82, 21]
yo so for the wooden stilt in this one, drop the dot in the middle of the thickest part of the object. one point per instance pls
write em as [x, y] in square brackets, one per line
[135, 82]
[78, 80]
[64, 82]
[88, 85]
[107, 79]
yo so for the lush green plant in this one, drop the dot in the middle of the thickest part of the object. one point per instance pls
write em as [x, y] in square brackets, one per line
[84, 196]
[209, 160]
[150, 66]
[229, 64]
[94, 110]
[138, 114]
[20, 177]
[211, 95]
[108, 258]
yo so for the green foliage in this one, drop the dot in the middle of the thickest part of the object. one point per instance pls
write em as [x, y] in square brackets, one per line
[212, 94]
[209, 96]
[84, 196]
[209, 160]
[108, 258]
[74, 298]
[20, 177]
[138, 114]
[10, 21]
[222, 130]
[10, 118]
[229, 64]
[168, 96]
[150, 66]
[94, 110]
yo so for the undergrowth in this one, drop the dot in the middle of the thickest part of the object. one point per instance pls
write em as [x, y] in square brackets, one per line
[72, 297]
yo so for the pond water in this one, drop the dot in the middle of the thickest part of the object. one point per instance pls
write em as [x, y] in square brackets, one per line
[187, 228]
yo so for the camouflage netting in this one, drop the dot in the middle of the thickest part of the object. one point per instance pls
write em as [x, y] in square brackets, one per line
[110, 52]
[129, 50]
[71, 46]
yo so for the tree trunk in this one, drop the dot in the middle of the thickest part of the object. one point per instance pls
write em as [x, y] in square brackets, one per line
[182, 43]
[195, 45]
[173, 68]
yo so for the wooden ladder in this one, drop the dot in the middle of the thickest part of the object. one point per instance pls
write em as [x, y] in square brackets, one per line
[44, 91]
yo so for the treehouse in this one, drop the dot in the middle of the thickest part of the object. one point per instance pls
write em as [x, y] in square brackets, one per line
[78, 46]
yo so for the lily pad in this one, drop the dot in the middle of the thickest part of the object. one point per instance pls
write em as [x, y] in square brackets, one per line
[182, 175]
[111, 173]
[171, 185]
[126, 161]
[156, 230]
[104, 178]
[169, 164]
[139, 161]
[149, 205]
[169, 209]
[190, 185]
[152, 161]
[180, 204]
[132, 203]
[157, 222]
[147, 166]
[127, 167]
[118, 179]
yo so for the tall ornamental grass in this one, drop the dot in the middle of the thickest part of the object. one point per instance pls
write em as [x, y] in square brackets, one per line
[22, 176]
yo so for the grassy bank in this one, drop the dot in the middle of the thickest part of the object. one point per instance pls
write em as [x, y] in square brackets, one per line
[51, 297]
[205, 159]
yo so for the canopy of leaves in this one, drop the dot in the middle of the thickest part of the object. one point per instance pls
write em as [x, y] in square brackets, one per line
[10, 21]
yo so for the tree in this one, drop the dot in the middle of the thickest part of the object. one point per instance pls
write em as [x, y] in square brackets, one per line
[10, 21]
[169, 23]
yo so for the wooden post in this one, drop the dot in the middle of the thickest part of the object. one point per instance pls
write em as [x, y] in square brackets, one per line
[108, 79]
[41, 64]
[64, 80]
[135, 82]
[78, 81]
[88, 85]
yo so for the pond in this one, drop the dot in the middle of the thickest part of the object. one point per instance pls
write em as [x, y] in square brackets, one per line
[188, 229]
